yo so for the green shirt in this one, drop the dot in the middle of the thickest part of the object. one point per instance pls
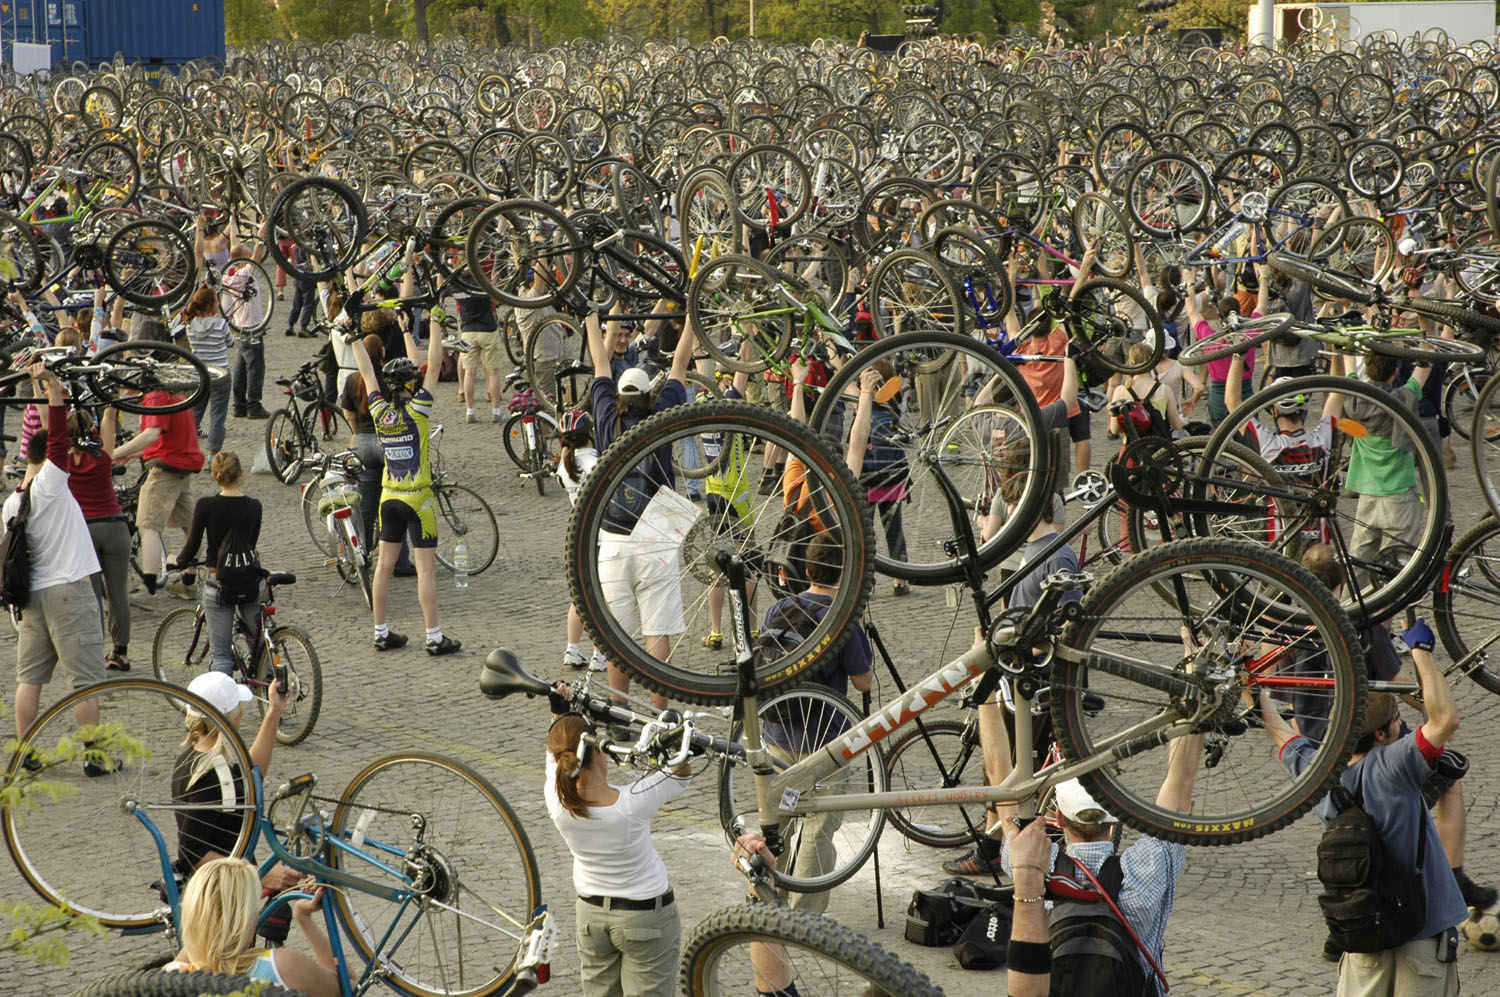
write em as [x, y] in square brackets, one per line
[1381, 461]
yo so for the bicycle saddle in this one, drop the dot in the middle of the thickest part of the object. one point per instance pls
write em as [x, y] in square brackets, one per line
[503, 675]
[281, 578]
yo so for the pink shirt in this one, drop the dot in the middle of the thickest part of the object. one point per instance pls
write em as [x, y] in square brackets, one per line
[1218, 370]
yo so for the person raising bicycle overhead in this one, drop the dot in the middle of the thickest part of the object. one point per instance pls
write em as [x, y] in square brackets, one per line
[402, 410]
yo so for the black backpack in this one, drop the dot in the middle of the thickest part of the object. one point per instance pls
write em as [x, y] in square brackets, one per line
[1149, 421]
[1371, 902]
[238, 572]
[15, 569]
[1093, 952]
[786, 555]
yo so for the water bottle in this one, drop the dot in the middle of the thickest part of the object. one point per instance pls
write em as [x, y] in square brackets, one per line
[461, 565]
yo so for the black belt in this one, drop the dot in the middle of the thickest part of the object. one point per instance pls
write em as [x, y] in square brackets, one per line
[117, 517]
[616, 903]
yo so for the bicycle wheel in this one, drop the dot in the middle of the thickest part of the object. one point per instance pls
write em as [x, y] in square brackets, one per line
[512, 240]
[247, 296]
[1098, 223]
[911, 292]
[1234, 338]
[555, 351]
[327, 221]
[1454, 313]
[1360, 247]
[161, 983]
[462, 513]
[286, 445]
[1388, 568]
[21, 258]
[1262, 622]
[56, 845]
[353, 562]
[147, 378]
[726, 289]
[180, 649]
[610, 540]
[461, 848]
[822, 850]
[292, 650]
[943, 377]
[518, 447]
[1103, 319]
[771, 186]
[1330, 282]
[1461, 398]
[316, 523]
[710, 224]
[1430, 348]
[1484, 442]
[1167, 195]
[747, 949]
[1466, 604]
[150, 263]
[915, 769]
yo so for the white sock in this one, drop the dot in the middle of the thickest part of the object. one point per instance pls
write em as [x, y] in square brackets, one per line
[434, 635]
[573, 649]
[496, 411]
[468, 411]
[381, 630]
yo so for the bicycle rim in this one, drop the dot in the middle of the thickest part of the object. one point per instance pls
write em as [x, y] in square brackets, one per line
[821, 956]
[822, 850]
[55, 844]
[284, 446]
[462, 513]
[179, 651]
[468, 857]
[1466, 603]
[914, 768]
[293, 651]
[1230, 597]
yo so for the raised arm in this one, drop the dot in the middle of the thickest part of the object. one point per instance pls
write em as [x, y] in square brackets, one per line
[683, 356]
[1085, 268]
[859, 429]
[799, 382]
[434, 354]
[598, 351]
[1234, 388]
[1069, 383]
[1437, 699]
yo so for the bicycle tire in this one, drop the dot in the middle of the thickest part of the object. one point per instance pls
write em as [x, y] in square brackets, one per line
[357, 562]
[25, 263]
[1470, 570]
[914, 769]
[725, 288]
[304, 694]
[180, 648]
[1264, 800]
[921, 298]
[317, 524]
[468, 830]
[1484, 443]
[1328, 281]
[1460, 398]
[1096, 323]
[748, 176]
[501, 264]
[823, 714]
[146, 711]
[1246, 335]
[327, 220]
[936, 368]
[286, 445]
[163, 983]
[148, 262]
[834, 496]
[1420, 558]
[465, 513]
[516, 445]
[1429, 348]
[558, 341]
[1453, 313]
[1167, 215]
[140, 369]
[858, 965]
[1099, 223]
[234, 303]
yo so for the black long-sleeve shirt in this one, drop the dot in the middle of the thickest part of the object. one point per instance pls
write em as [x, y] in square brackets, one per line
[218, 515]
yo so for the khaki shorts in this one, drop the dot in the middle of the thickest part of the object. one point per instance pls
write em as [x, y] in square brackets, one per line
[61, 624]
[166, 499]
[632, 952]
[643, 588]
[1387, 525]
[485, 351]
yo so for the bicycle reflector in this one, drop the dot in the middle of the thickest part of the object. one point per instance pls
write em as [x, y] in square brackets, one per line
[890, 389]
[1352, 428]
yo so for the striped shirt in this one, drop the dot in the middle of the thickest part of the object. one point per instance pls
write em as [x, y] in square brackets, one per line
[209, 337]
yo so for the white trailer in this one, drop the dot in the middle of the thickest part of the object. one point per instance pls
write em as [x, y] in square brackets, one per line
[1463, 20]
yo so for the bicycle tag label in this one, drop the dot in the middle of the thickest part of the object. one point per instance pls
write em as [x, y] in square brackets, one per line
[789, 799]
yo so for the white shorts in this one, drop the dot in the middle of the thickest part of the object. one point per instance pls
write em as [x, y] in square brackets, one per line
[643, 588]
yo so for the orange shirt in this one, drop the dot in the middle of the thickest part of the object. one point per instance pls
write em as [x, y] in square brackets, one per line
[1044, 377]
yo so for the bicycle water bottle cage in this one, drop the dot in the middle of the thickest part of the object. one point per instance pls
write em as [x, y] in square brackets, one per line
[525, 402]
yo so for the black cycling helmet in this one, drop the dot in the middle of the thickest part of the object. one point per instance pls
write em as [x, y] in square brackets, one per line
[401, 373]
[577, 427]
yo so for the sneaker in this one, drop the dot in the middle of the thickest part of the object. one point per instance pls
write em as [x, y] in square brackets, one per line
[390, 641]
[496, 417]
[1482, 897]
[767, 484]
[291, 332]
[470, 418]
[117, 661]
[574, 659]
[1331, 950]
[181, 590]
[94, 770]
[239, 413]
[598, 662]
[257, 412]
[445, 646]
[713, 641]
[900, 587]
[972, 864]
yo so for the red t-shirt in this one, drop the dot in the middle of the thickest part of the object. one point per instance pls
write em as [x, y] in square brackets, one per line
[90, 474]
[177, 447]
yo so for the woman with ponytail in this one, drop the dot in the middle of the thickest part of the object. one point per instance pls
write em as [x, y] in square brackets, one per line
[628, 930]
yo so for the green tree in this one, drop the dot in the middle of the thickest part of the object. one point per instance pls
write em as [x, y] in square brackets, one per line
[1228, 15]
[249, 21]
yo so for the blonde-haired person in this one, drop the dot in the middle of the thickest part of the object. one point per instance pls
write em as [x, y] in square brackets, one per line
[219, 910]
[628, 929]
[216, 518]
[1147, 389]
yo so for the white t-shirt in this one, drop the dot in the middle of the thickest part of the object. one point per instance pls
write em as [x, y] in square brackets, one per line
[586, 458]
[343, 354]
[612, 851]
[61, 550]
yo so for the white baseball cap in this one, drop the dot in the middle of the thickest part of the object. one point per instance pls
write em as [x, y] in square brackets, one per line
[634, 381]
[222, 692]
[1073, 799]
[1168, 343]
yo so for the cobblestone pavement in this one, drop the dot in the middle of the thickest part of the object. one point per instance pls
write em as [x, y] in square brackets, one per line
[1246, 919]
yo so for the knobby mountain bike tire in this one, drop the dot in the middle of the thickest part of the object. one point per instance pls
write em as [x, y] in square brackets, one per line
[292, 651]
[55, 846]
[468, 853]
[512, 239]
[822, 956]
[694, 674]
[1237, 338]
[821, 714]
[1328, 281]
[1453, 313]
[1464, 603]
[1101, 318]
[1403, 577]
[1248, 609]
[326, 218]
[162, 983]
[148, 378]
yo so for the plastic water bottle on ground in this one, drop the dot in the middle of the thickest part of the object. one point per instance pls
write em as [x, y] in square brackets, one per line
[461, 565]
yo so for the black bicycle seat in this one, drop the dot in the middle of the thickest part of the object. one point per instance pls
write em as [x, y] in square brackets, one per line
[281, 578]
[503, 676]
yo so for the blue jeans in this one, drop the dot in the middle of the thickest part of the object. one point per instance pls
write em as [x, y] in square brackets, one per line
[215, 402]
[249, 373]
[221, 627]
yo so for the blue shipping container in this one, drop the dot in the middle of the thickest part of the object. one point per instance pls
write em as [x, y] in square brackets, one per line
[59, 23]
[170, 32]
